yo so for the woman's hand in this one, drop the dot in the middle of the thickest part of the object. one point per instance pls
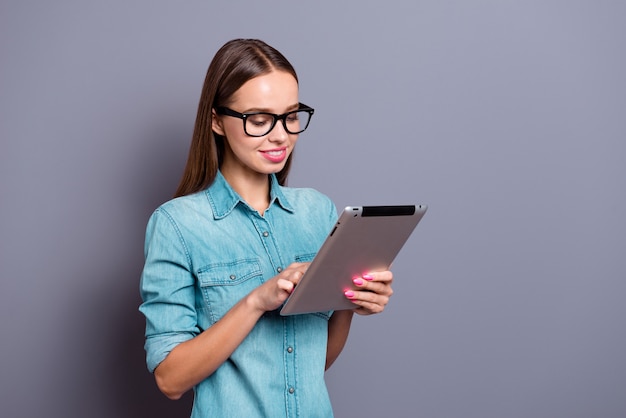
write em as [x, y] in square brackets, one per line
[188, 363]
[271, 294]
[373, 292]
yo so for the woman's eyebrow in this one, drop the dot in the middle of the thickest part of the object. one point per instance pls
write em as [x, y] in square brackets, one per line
[267, 110]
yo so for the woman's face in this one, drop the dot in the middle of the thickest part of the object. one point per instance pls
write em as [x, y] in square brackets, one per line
[275, 92]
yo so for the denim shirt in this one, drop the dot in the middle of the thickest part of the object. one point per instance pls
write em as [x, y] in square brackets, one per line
[206, 251]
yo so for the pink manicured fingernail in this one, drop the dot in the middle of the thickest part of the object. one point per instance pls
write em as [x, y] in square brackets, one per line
[349, 294]
[368, 277]
[357, 282]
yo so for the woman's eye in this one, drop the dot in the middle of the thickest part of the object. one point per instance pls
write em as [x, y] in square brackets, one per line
[258, 120]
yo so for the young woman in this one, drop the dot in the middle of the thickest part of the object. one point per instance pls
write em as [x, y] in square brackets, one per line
[223, 256]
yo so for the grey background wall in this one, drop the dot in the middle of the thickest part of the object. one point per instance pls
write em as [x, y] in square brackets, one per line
[506, 117]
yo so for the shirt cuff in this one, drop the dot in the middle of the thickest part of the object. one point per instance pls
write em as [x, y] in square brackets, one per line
[157, 348]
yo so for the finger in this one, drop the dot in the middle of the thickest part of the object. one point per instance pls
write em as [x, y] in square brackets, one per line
[367, 308]
[379, 276]
[366, 299]
[296, 276]
[286, 285]
[298, 266]
[382, 288]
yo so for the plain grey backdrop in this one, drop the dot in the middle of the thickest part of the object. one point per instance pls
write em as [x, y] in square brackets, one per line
[508, 118]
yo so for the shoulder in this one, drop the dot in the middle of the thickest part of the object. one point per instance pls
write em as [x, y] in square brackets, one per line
[193, 202]
[182, 210]
[306, 197]
[308, 203]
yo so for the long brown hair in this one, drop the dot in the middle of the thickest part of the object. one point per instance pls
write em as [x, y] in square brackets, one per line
[235, 63]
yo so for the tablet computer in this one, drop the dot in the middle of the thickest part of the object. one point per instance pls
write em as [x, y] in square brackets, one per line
[364, 239]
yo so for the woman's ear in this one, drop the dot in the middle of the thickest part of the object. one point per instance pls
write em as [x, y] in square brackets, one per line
[216, 123]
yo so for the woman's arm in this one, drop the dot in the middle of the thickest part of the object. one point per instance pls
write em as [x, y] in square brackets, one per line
[194, 360]
[371, 298]
[338, 329]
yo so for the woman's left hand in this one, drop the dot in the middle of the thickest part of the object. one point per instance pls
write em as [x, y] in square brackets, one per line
[372, 293]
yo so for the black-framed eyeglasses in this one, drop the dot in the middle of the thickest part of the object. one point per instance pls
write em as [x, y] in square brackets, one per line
[261, 123]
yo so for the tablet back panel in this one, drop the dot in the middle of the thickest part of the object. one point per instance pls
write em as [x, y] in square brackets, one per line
[364, 239]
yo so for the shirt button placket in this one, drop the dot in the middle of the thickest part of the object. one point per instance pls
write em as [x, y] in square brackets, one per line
[266, 234]
[290, 364]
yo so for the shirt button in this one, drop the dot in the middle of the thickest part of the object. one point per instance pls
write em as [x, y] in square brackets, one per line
[279, 269]
[291, 390]
[233, 277]
[266, 234]
[290, 349]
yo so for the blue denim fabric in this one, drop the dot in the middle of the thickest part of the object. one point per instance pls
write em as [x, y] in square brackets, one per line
[206, 251]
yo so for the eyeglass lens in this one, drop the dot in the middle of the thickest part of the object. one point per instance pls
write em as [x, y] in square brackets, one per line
[260, 124]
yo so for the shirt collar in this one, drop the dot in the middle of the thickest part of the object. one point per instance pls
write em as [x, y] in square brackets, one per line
[223, 198]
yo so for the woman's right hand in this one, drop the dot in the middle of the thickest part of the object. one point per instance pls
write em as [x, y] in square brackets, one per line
[187, 364]
[271, 294]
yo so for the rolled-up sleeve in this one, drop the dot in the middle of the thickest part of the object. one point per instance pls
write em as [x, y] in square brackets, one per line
[167, 289]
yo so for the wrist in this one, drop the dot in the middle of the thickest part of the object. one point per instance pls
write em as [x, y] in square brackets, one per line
[252, 303]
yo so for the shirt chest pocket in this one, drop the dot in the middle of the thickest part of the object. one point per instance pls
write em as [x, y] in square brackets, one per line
[224, 284]
[305, 258]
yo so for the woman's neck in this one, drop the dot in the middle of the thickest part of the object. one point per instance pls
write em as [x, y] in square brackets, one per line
[254, 188]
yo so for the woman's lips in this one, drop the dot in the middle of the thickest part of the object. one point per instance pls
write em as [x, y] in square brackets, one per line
[275, 155]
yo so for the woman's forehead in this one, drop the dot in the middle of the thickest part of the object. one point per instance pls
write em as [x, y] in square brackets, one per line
[271, 91]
